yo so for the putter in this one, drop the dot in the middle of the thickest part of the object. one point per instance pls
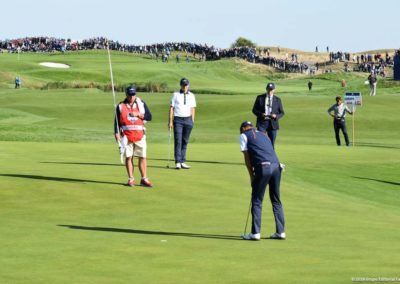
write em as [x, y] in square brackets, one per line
[247, 220]
[169, 146]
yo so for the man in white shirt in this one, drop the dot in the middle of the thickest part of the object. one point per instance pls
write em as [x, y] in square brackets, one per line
[338, 112]
[181, 118]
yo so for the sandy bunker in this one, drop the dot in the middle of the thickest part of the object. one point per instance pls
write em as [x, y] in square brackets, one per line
[54, 65]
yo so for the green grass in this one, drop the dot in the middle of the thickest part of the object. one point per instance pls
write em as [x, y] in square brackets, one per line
[65, 216]
[92, 67]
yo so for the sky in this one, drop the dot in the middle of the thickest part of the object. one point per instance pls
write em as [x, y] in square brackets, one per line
[343, 25]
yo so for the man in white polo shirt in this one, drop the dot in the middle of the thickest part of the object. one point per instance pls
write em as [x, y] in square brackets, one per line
[181, 118]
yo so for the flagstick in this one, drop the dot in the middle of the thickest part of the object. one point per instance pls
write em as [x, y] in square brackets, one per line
[353, 117]
[115, 103]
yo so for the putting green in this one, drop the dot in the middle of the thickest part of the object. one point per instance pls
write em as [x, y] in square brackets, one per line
[66, 216]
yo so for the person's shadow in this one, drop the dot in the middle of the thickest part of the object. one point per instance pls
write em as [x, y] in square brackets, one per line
[59, 179]
[379, 180]
[159, 233]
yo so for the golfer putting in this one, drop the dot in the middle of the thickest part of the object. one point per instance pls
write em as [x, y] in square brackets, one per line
[264, 169]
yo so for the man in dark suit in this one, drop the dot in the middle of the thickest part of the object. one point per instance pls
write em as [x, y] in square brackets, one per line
[268, 109]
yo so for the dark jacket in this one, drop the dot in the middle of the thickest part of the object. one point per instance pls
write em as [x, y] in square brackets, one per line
[259, 109]
[372, 79]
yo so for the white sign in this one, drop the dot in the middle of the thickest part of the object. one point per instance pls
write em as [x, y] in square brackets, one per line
[354, 99]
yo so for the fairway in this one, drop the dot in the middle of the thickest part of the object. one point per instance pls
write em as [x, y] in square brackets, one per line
[66, 215]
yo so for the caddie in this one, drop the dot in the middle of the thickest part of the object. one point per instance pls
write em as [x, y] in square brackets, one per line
[129, 129]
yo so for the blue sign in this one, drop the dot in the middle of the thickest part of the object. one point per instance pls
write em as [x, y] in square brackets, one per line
[353, 98]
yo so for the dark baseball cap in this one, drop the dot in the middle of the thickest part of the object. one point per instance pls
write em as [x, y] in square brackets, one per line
[130, 91]
[270, 86]
[244, 124]
[184, 82]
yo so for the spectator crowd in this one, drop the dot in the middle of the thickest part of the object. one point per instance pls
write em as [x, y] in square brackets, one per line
[158, 51]
[376, 63]
[202, 52]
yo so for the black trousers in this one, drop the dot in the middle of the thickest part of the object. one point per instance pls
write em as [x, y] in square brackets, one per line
[267, 175]
[182, 129]
[340, 124]
[267, 129]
